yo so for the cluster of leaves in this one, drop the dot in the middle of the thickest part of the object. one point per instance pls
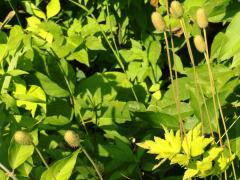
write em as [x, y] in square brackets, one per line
[200, 156]
[98, 68]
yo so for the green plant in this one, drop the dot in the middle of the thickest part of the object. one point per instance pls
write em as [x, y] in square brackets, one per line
[83, 83]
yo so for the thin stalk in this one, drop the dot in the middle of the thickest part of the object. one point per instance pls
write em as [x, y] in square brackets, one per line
[92, 162]
[108, 42]
[213, 88]
[17, 15]
[110, 27]
[9, 173]
[176, 75]
[43, 160]
[205, 105]
[230, 127]
[174, 90]
[197, 85]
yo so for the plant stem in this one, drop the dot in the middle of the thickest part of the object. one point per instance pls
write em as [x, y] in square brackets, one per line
[196, 78]
[43, 160]
[214, 91]
[176, 89]
[10, 174]
[17, 15]
[92, 162]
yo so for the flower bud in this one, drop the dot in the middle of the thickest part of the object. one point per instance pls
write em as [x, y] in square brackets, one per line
[158, 22]
[72, 138]
[176, 9]
[199, 43]
[23, 138]
[154, 3]
[202, 19]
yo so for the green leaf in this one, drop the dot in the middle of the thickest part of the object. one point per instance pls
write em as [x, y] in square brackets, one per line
[81, 56]
[94, 43]
[53, 8]
[34, 97]
[155, 119]
[59, 112]
[26, 167]
[232, 43]
[62, 169]
[3, 175]
[37, 12]
[18, 154]
[51, 88]
[154, 52]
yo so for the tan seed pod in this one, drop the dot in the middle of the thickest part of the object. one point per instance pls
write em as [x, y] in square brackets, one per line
[202, 19]
[199, 43]
[23, 138]
[176, 9]
[154, 3]
[158, 22]
[72, 138]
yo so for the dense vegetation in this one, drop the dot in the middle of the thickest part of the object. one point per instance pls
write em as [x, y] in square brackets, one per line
[87, 86]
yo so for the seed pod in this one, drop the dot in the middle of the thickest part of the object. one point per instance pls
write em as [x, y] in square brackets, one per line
[72, 138]
[199, 43]
[202, 19]
[158, 22]
[176, 9]
[23, 138]
[154, 3]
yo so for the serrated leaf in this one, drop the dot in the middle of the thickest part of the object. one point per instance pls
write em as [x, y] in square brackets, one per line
[53, 8]
[164, 148]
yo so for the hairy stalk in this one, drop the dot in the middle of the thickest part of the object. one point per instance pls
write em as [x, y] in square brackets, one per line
[214, 91]
[196, 78]
[108, 42]
[92, 162]
[9, 173]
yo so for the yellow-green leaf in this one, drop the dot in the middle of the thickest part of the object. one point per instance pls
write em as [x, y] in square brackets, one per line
[189, 173]
[180, 159]
[53, 8]
[37, 12]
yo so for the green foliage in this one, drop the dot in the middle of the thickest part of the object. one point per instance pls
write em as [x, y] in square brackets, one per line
[99, 68]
